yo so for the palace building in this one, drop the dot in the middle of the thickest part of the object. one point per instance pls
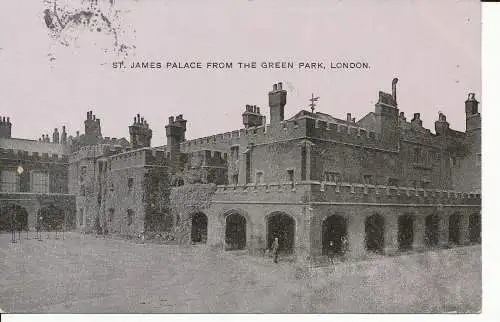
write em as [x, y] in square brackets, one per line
[324, 186]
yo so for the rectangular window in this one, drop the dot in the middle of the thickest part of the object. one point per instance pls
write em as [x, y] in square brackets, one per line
[130, 216]
[478, 159]
[83, 172]
[417, 155]
[81, 217]
[130, 183]
[258, 177]
[111, 216]
[291, 176]
[248, 165]
[303, 163]
[235, 151]
[10, 181]
[39, 182]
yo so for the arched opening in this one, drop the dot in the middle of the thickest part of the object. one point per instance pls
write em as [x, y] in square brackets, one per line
[334, 235]
[374, 233]
[432, 230]
[199, 228]
[236, 232]
[13, 217]
[454, 229]
[281, 226]
[51, 218]
[475, 228]
[405, 232]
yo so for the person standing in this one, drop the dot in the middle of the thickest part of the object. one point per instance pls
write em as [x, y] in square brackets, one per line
[274, 249]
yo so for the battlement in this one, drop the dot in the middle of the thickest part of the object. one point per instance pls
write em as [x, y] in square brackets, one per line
[305, 127]
[27, 156]
[324, 193]
[208, 158]
[140, 157]
[90, 152]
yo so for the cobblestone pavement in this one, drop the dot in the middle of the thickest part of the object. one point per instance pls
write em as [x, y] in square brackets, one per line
[85, 274]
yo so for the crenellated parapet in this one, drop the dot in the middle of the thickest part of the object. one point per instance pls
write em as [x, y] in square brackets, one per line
[140, 157]
[301, 128]
[31, 156]
[322, 192]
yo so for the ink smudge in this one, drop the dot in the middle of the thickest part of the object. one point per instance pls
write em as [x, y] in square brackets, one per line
[66, 20]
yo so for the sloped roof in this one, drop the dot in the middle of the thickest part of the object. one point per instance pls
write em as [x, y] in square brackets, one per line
[33, 146]
[319, 116]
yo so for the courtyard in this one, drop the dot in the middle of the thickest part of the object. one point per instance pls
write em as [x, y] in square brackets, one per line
[85, 274]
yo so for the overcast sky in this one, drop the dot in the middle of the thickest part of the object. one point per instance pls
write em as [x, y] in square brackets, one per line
[432, 46]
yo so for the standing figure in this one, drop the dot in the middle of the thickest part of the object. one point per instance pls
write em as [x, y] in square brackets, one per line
[344, 245]
[39, 228]
[13, 227]
[274, 248]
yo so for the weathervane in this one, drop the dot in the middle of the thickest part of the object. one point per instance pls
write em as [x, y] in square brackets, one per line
[313, 101]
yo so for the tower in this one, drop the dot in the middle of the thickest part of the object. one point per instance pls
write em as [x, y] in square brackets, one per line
[387, 116]
[472, 115]
[252, 116]
[92, 129]
[175, 130]
[140, 133]
[176, 133]
[5, 128]
[277, 102]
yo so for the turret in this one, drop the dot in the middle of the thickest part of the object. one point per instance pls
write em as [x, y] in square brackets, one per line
[140, 133]
[5, 127]
[472, 115]
[92, 129]
[277, 102]
[176, 131]
[441, 125]
[252, 116]
[55, 136]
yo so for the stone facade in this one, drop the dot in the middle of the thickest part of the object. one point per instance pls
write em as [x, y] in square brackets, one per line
[327, 186]
[320, 184]
[34, 184]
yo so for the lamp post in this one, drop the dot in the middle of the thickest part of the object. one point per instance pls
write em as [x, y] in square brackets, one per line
[12, 226]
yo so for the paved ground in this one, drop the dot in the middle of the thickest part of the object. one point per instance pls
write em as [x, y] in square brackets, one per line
[83, 274]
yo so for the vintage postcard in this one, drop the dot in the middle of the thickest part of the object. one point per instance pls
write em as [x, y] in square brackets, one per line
[170, 156]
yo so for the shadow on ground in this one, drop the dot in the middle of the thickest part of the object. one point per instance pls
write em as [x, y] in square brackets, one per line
[84, 274]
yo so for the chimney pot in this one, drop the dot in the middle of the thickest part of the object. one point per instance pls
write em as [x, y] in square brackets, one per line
[275, 87]
[280, 85]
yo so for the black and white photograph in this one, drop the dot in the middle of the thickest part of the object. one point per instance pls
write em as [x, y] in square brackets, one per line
[246, 156]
